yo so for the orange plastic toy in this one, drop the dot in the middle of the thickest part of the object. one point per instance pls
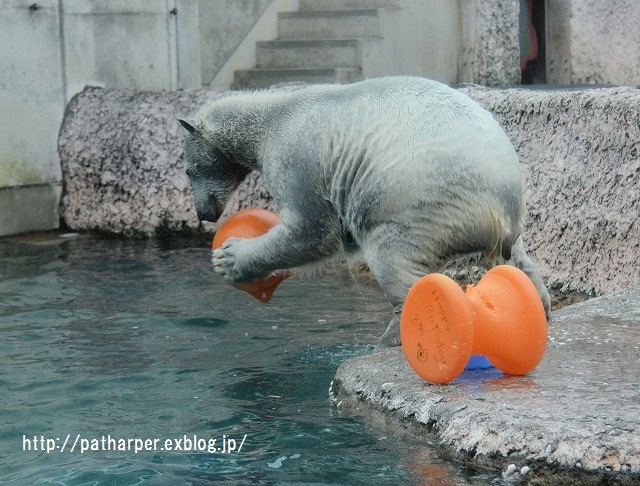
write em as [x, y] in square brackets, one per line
[251, 223]
[502, 317]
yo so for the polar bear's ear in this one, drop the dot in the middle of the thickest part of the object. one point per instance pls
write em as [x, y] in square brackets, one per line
[189, 125]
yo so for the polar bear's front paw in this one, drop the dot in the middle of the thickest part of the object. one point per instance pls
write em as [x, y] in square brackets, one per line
[227, 261]
[224, 261]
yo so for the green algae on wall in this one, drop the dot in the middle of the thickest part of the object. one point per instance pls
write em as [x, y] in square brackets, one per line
[14, 172]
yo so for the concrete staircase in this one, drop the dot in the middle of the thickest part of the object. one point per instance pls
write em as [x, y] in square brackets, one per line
[321, 43]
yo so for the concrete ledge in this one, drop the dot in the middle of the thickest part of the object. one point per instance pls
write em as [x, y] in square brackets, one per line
[29, 208]
[574, 420]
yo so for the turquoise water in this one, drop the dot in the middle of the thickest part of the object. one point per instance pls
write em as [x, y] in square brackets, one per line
[103, 342]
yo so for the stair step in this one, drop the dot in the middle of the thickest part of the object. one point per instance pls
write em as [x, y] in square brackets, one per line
[329, 24]
[263, 78]
[308, 53]
[346, 4]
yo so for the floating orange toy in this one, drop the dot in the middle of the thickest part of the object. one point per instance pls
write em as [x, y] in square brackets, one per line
[251, 223]
[502, 317]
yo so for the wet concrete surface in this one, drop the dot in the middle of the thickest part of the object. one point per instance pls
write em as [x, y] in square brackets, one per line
[575, 419]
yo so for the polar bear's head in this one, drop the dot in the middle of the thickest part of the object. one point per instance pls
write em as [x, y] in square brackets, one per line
[214, 175]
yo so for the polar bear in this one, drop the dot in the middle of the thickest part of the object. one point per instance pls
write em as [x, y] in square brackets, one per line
[408, 170]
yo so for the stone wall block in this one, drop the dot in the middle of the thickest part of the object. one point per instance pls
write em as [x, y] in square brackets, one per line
[579, 156]
[121, 156]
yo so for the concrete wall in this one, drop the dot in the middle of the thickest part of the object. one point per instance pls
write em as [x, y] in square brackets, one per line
[489, 42]
[593, 42]
[468, 41]
[50, 50]
[605, 42]
[229, 32]
[129, 44]
[418, 38]
[32, 105]
[580, 156]
[223, 27]
[474, 41]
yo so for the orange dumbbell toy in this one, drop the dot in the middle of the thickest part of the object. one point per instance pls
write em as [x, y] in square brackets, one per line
[251, 223]
[502, 318]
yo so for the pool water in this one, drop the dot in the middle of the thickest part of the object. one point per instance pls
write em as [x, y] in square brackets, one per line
[104, 342]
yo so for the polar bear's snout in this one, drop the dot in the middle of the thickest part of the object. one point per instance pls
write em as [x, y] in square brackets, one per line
[209, 206]
[211, 215]
[208, 209]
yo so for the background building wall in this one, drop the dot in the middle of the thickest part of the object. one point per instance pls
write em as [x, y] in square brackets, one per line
[31, 108]
[223, 26]
[605, 42]
[489, 49]
[52, 49]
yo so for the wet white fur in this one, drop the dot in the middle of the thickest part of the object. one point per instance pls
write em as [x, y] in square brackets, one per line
[415, 172]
